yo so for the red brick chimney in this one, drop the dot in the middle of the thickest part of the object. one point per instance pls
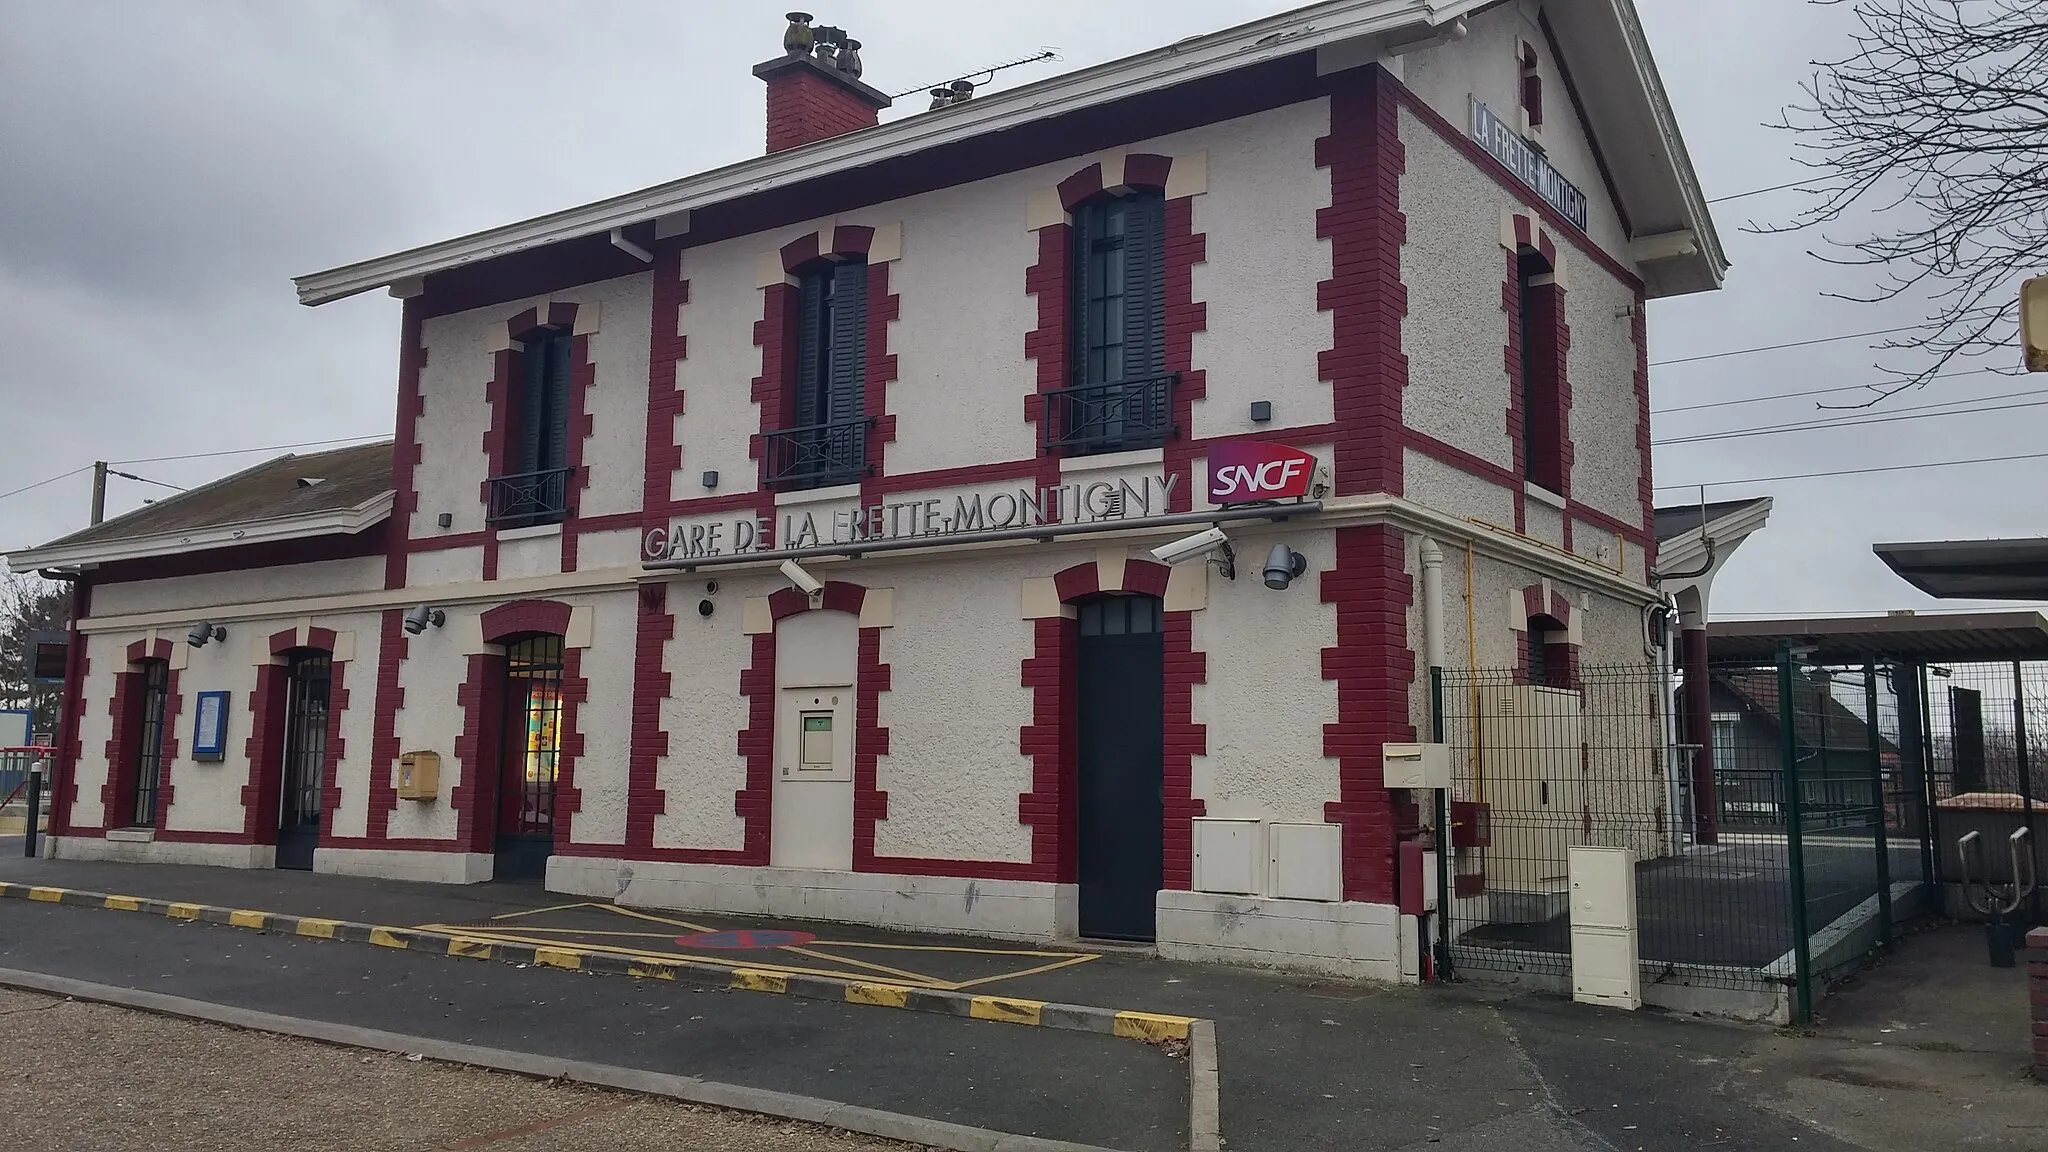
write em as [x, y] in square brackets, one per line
[813, 96]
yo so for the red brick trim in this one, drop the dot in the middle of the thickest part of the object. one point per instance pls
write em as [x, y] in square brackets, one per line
[1373, 668]
[667, 348]
[1562, 657]
[264, 750]
[405, 444]
[1487, 470]
[569, 741]
[174, 706]
[123, 743]
[509, 621]
[498, 397]
[392, 645]
[1511, 360]
[879, 370]
[1147, 171]
[754, 804]
[803, 250]
[870, 744]
[774, 389]
[1366, 368]
[805, 106]
[655, 626]
[337, 745]
[77, 664]
[481, 697]
[583, 426]
[1050, 345]
[1184, 248]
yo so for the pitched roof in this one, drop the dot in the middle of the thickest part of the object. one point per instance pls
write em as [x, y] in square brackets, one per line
[1831, 725]
[1675, 522]
[342, 490]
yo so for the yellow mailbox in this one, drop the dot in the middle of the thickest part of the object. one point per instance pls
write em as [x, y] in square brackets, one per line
[419, 775]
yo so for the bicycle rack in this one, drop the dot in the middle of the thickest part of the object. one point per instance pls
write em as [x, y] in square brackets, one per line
[1997, 901]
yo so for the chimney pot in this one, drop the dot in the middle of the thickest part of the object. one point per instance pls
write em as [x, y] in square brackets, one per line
[796, 40]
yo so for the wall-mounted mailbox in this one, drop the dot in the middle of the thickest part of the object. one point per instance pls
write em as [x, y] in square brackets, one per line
[419, 775]
[1416, 765]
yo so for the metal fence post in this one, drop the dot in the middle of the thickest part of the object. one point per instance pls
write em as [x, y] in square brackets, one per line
[1884, 851]
[1932, 869]
[1795, 849]
[35, 808]
[2026, 770]
[1445, 839]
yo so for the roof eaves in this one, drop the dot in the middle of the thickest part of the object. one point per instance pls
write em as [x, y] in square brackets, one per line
[1696, 209]
[326, 522]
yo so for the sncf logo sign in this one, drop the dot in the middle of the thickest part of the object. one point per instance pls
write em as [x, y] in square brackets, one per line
[1244, 471]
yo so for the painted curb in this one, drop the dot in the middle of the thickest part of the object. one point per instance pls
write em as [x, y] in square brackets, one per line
[1151, 1027]
[1205, 1105]
[689, 1089]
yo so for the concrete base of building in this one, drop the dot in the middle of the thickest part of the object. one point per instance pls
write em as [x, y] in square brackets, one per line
[384, 864]
[1357, 941]
[1005, 909]
[126, 847]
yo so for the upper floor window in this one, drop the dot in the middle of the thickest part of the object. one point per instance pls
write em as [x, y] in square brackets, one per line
[1540, 316]
[535, 488]
[826, 442]
[1532, 86]
[1119, 394]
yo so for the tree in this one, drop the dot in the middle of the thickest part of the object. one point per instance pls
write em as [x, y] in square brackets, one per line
[27, 605]
[1937, 126]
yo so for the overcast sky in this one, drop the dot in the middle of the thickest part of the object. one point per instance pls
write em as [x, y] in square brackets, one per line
[167, 167]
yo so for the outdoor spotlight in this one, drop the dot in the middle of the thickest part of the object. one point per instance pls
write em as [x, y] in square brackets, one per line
[806, 583]
[1283, 564]
[423, 617]
[204, 631]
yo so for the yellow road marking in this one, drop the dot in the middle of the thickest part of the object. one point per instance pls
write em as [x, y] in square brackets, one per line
[1057, 964]
[884, 969]
[948, 948]
[248, 919]
[322, 929]
[1151, 1026]
[469, 946]
[754, 981]
[124, 903]
[550, 908]
[558, 958]
[46, 895]
[183, 912]
[1005, 1009]
[684, 957]
[639, 915]
[386, 938]
[887, 995]
[561, 931]
[653, 970]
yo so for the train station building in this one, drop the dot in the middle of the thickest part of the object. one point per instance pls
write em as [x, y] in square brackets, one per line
[1028, 516]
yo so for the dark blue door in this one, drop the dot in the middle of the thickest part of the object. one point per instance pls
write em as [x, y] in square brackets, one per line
[305, 758]
[1122, 730]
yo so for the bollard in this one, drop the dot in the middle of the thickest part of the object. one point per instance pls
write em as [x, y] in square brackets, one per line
[35, 808]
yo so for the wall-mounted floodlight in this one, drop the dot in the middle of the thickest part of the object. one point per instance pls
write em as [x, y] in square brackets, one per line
[1283, 566]
[423, 617]
[204, 631]
[806, 583]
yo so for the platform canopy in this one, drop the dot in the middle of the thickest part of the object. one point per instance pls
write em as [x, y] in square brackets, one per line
[1972, 569]
[1944, 639]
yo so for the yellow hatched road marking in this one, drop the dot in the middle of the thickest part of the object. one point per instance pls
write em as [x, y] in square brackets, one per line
[1057, 964]
[654, 970]
[886, 995]
[322, 929]
[558, 958]
[248, 919]
[637, 915]
[753, 981]
[549, 908]
[46, 895]
[884, 969]
[183, 911]
[682, 957]
[124, 903]
[470, 946]
[1005, 1009]
[388, 938]
[1151, 1026]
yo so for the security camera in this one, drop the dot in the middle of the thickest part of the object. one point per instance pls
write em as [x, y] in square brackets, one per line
[808, 584]
[421, 618]
[204, 631]
[1283, 564]
[1191, 547]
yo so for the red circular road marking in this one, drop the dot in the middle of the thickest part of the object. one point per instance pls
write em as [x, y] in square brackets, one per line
[743, 939]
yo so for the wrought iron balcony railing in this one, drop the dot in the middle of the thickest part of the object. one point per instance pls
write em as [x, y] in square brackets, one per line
[817, 456]
[1136, 413]
[529, 498]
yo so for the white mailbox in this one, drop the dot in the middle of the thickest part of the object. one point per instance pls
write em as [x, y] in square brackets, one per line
[1415, 765]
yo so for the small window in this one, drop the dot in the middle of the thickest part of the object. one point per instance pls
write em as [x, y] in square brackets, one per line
[149, 742]
[1119, 396]
[1539, 317]
[1120, 616]
[1550, 662]
[535, 487]
[1532, 85]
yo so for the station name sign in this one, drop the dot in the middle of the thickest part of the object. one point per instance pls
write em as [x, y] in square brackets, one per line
[1528, 165]
[934, 519]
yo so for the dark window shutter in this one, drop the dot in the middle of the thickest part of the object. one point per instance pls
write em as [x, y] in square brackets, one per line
[1144, 252]
[845, 390]
[555, 448]
[812, 354]
[531, 413]
[1082, 313]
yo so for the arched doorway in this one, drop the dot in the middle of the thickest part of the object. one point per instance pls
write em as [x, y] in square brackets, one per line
[1121, 718]
[309, 676]
[529, 756]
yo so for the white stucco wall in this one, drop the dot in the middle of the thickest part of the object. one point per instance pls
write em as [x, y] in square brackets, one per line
[704, 713]
[96, 724]
[613, 455]
[1483, 66]
[717, 373]
[207, 796]
[249, 585]
[1448, 488]
[1602, 369]
[956, 702]
[353, 771]
[1265, 700]
[431, 677]
[605, 718]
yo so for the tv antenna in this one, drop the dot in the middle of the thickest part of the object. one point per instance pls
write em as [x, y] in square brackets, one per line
[1044, 53]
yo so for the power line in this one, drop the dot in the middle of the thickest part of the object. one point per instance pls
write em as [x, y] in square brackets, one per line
[1813, 392]
[1772, 188]
[1780, 347]
[250, 451]
[145, 480]
[1854, 471]
[51, 480]
[1826, 422]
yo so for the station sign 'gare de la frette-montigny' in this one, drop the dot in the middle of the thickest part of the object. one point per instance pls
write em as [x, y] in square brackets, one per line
[1247, 472]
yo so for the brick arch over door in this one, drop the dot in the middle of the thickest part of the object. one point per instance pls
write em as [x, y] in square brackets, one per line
[1051, 740]
[263, 795]
[479, 750]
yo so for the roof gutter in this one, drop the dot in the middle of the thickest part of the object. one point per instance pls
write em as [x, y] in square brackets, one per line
[334, 522]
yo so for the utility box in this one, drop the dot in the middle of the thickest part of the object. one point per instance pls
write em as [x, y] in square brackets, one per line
[1228, 855]
[1415, 765]
[419, 775]
[1307, 861]
[1603, 928]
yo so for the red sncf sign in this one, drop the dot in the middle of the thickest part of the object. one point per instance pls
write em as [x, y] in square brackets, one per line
[1243, 471]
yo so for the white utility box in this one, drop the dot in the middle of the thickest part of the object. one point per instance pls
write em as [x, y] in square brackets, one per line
[1603, 928]
[1307, 861]
[1415, 765]
[1228, 854]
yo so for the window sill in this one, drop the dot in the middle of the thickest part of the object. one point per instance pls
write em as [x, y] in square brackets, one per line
[132, 835]
[833, 493]
[1104, 461]
[530, 532]
[1544, 495]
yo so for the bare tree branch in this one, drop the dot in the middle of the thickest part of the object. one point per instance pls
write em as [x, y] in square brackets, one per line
[1936, 125]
